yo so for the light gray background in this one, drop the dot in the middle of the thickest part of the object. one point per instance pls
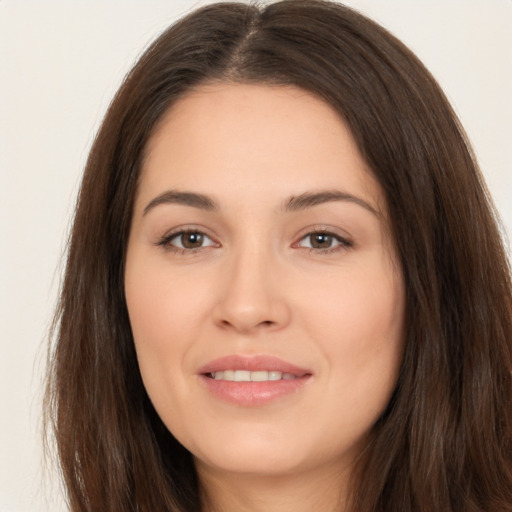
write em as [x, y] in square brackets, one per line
[60, 64]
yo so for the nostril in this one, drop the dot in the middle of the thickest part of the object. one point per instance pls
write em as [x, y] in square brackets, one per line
[238, 326]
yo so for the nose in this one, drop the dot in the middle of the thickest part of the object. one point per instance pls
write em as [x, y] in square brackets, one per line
[252, 295]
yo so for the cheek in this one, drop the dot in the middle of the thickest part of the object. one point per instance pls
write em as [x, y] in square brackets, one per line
[165, 318]
[359, 329]
[357, 321]
[163, 306]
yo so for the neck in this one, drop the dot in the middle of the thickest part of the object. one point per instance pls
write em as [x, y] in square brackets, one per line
[323, 491]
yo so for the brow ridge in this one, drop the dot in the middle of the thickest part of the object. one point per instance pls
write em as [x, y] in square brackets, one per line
[192, 199]
[294, 203]
[310, 199]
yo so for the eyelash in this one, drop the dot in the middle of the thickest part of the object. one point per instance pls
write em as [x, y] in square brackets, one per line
[342, 243]
[166, 242]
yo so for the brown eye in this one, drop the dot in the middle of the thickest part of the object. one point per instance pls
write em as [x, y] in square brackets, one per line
[321, 240]
[187, 240]
[191, 240]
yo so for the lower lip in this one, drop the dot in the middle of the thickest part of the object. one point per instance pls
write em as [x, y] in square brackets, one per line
[253, 394]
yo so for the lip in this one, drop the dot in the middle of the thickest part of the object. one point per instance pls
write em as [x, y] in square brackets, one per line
[252, 394]
[252, 363]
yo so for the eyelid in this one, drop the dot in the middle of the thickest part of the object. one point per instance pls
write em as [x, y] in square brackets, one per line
[165, 240]
[344, 239]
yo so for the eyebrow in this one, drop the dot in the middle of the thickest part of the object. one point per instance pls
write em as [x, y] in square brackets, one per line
[293, 204]
[184, 198]
[310, 199]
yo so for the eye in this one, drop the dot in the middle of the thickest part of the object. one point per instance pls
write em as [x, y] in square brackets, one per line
[186, 240]
[323, 241]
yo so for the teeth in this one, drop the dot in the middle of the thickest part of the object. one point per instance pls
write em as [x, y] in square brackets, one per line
[242, 375]
[228, 375]
[247, 376]
[259, 376]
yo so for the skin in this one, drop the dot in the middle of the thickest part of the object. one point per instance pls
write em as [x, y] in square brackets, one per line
[260, 283]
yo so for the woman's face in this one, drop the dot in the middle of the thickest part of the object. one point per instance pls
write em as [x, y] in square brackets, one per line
[264, 293]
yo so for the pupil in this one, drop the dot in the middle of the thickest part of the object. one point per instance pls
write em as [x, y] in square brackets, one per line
[321, 241]
[192, 240]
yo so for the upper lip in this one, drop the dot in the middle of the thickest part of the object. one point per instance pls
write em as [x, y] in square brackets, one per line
[252, 363]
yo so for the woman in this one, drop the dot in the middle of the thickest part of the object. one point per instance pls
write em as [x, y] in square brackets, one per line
[285, 287]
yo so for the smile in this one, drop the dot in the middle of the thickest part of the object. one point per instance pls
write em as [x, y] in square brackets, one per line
[248, 376]
[252, 380]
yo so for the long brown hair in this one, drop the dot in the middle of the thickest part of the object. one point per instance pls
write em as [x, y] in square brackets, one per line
[445, 441]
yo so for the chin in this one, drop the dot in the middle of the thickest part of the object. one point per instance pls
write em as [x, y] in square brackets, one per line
[252, 462]
[249, 453]
[264, 456]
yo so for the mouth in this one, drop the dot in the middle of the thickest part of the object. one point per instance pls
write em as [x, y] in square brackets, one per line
[247, 376]
[252, 380]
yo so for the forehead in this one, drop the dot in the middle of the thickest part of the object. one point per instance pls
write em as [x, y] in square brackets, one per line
[250, 139]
